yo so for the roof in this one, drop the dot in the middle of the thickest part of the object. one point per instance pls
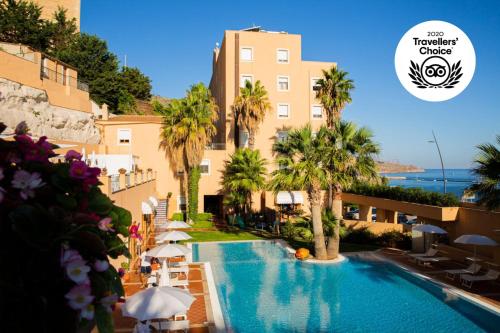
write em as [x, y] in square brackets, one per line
[133, 118]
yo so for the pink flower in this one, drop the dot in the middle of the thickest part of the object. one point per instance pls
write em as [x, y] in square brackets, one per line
[68, 256]
[109, 301]
[87, 312]
[38, 152]
[77, 271]
[79, 297]
[121, 272]
[21, 128]
[78, 170]
[72, 155]
[105, 224]
[101, 265]
[27, 183]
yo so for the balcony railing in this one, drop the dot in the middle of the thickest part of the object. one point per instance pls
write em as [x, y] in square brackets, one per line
[47, 73]
[216, 146]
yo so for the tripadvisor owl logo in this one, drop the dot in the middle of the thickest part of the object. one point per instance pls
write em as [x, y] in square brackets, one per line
[435, 61]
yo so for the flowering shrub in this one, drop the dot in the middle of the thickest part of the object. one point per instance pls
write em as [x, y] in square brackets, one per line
[58, 230]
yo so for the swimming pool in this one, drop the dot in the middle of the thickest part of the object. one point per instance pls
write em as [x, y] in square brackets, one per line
[262, 290]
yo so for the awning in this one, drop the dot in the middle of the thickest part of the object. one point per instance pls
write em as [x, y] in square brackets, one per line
[154, 201]
[146, 208]
[289, 197]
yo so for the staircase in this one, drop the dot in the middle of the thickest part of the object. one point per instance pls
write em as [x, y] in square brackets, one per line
[161, 211]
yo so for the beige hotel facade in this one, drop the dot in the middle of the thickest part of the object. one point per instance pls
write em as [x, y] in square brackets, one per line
[274, 58]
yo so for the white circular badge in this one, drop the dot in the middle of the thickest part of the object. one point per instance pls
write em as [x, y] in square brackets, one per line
[435, 61]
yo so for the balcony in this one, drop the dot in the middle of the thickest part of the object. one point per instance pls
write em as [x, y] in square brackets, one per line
[65, 80]
[112, 184]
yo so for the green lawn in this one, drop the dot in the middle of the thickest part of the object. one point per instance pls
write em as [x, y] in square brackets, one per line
[229, 235]
[235, 234]
[202, 224]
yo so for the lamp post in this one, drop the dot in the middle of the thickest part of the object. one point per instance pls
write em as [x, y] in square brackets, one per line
[441, 158]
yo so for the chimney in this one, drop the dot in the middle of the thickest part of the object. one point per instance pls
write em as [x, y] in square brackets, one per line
[105, 112]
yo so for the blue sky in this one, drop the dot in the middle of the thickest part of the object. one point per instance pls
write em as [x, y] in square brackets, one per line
[172, 42]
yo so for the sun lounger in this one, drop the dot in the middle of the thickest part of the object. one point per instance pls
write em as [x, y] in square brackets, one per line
[430, 253]
[171, 325]
[472, 269]
[430, 260]
[468, 280]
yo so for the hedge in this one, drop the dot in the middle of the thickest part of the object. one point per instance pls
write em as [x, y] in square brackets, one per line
[415, 195]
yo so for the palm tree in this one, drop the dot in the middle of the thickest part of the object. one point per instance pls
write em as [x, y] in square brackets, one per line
[250, 108]
[299, 158]
[488, 171]
[348, 156]
[244, 173]
[188, 126]
[334, 93]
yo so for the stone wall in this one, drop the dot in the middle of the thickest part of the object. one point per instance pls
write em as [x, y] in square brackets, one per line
[23, 103]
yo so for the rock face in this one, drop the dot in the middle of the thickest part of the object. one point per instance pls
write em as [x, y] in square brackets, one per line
[22, 103]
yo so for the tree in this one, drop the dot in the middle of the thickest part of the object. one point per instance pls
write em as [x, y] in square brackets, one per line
[347, 156]
[188, 126]
[21, 22]
[244, 173]
[334, 93]
[96, 65]
[300, 157]
[63, 30]
[487, 169]
[250, 108]
[136, 83]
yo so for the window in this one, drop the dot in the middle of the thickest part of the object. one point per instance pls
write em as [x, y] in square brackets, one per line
[181, 203]
[314, 84]
[282, 136]
[283, 83]
[246, 54]
[124, 136]
[317, 112]
[283, 110]
[205, 167]
[282, 56]
[245, 78]
[243, 139]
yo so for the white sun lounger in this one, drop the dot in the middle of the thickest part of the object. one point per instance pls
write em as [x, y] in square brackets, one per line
[171, 325]
[180, 269]
[468, 280]
[472, 269]
[429, 260]
[430, 253]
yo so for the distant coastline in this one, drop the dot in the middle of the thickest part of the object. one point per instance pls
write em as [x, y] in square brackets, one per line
[393, 167]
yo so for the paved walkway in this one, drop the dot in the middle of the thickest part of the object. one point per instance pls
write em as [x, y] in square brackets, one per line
[199, 315]
[486, 291]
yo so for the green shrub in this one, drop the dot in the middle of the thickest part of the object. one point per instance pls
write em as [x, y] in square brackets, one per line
[394, 239]
[203, 217]
[288, 230]
[359, 236]
[178, 216]
[124, 265]
[415, 195]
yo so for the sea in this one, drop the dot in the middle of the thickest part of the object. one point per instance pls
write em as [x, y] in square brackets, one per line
[457, 180]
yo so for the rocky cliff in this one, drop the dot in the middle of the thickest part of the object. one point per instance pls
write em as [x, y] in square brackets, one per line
[22, 103]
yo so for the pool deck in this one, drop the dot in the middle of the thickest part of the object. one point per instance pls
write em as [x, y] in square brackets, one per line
[487, 292]
[203, 315]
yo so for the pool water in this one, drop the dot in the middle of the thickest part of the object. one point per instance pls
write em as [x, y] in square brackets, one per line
[262, 290]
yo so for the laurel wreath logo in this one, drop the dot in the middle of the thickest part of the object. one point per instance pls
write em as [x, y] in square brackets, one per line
[417, 76]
